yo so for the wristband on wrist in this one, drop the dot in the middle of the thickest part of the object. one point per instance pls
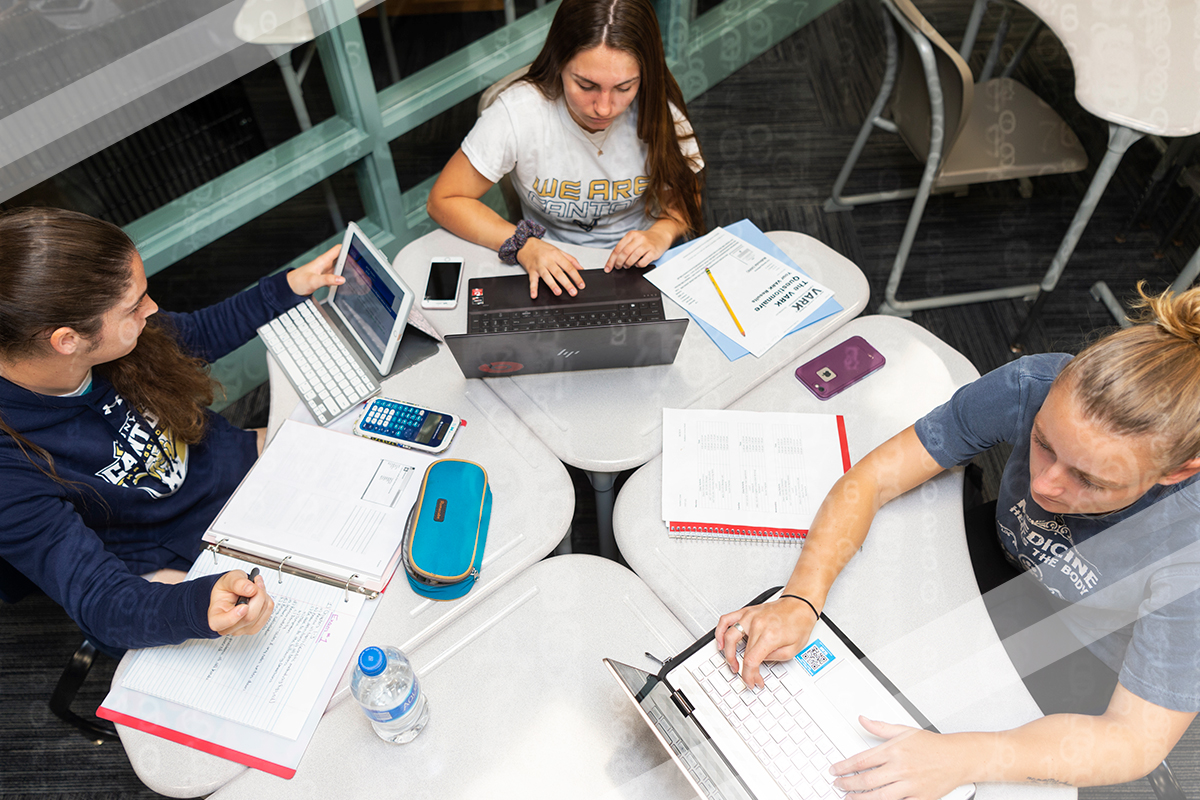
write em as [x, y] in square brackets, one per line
[802, 600]
[525, 229]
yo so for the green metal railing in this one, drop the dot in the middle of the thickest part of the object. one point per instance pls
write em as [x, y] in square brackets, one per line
[701, 52]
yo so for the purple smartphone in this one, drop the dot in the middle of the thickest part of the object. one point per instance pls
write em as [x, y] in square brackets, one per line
[839, 367]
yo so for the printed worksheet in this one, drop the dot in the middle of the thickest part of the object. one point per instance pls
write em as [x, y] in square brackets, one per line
[270, 680]
[767, 298]
[749, 469]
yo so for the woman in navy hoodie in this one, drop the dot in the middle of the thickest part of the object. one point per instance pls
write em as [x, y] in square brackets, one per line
[111, 464]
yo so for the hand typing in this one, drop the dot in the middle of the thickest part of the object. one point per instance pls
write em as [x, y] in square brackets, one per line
[543, 261]
[774, 631]
[912, 763]
[638, 249]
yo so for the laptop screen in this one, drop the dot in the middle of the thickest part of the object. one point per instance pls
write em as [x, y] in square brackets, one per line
[369, 300]
[685, 740]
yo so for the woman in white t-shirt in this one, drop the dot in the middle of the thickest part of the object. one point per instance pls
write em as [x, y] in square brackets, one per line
[590, 165]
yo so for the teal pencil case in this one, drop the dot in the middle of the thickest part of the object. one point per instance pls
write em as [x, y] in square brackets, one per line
[443, 544]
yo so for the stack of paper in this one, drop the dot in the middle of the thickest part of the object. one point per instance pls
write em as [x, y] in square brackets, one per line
[768, 293]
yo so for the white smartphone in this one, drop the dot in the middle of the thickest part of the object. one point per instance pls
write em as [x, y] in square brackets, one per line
[406, 425]
[445, 275]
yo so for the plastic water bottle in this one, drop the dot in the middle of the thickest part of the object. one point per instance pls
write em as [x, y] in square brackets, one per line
[386, 687]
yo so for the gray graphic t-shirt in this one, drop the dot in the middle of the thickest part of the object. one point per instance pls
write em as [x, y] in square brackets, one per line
[1133, 575]
[585, 188]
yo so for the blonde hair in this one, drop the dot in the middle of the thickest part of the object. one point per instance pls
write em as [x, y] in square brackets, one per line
[1145, 380]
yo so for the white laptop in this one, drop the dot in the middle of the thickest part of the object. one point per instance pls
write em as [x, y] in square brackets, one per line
[330, 372]
[736, 744]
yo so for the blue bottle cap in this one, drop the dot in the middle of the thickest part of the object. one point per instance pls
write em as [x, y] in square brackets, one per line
[372, 661]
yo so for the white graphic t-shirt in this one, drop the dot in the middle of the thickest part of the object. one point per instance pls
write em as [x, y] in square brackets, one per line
[581, 196]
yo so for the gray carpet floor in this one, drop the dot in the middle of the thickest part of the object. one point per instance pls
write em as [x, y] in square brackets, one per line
[774, 135]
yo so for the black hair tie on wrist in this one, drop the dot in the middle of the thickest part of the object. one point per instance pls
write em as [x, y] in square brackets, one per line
[802, 600]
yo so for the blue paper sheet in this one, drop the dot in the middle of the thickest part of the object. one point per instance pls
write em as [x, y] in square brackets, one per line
[748, 232]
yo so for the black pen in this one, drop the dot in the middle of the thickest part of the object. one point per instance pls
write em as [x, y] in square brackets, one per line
[241, 601]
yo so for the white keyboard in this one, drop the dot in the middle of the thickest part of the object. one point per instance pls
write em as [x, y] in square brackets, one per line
[330, 379]
[774, 725]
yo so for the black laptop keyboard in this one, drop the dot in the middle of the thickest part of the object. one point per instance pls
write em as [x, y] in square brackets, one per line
[559, 318]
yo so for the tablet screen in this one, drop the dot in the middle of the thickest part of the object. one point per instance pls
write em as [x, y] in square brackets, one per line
[369, 300]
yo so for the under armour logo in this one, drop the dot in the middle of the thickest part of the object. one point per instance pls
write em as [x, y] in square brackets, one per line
[109, 409]
[587, 226]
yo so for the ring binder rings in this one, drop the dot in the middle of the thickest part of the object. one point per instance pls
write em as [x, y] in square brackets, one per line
[219, 548]
[325, 512]
[323, 505]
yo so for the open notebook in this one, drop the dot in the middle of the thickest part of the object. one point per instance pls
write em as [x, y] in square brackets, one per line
[322, 513]
[325, 505]
[752, 476]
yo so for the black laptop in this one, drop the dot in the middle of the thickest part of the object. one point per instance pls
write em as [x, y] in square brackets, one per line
[616, 321]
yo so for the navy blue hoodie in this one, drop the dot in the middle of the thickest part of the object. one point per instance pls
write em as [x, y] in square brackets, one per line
[141, 500]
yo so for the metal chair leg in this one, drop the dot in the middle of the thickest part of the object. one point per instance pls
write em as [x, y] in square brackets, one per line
[978, 9]
[836, 201]
[1187, 275]
[1120, 139]
[1163, 782]
[1161, 179]
[1022, 49]
[292, 83]
[68, 686]
[1182, 222]
[993, 56]
[904, 308]
[1102, 294]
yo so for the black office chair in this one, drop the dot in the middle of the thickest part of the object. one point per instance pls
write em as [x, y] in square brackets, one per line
[13, 587]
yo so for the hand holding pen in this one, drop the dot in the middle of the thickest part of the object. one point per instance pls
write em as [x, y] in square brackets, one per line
[243, 600]
[239, 604]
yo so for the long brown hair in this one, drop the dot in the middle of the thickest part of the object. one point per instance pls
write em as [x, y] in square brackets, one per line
[632, 27]
[63, 269]
[1144, 381]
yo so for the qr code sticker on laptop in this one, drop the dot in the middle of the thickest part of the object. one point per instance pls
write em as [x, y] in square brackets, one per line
[815, 657]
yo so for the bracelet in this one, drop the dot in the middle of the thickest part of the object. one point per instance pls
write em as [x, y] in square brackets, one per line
[802, 600]
[525, 229]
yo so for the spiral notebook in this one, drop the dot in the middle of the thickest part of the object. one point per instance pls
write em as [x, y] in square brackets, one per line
[748, 475]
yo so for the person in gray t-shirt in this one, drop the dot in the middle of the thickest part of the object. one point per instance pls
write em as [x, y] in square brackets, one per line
[1098, 507]
[598, 145]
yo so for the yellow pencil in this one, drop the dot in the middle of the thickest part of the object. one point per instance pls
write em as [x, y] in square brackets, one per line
[726, 302]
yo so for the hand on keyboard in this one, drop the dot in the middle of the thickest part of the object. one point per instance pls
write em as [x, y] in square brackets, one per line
[911, 763]
[637, 249]
[775, 631]
[543, 261]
